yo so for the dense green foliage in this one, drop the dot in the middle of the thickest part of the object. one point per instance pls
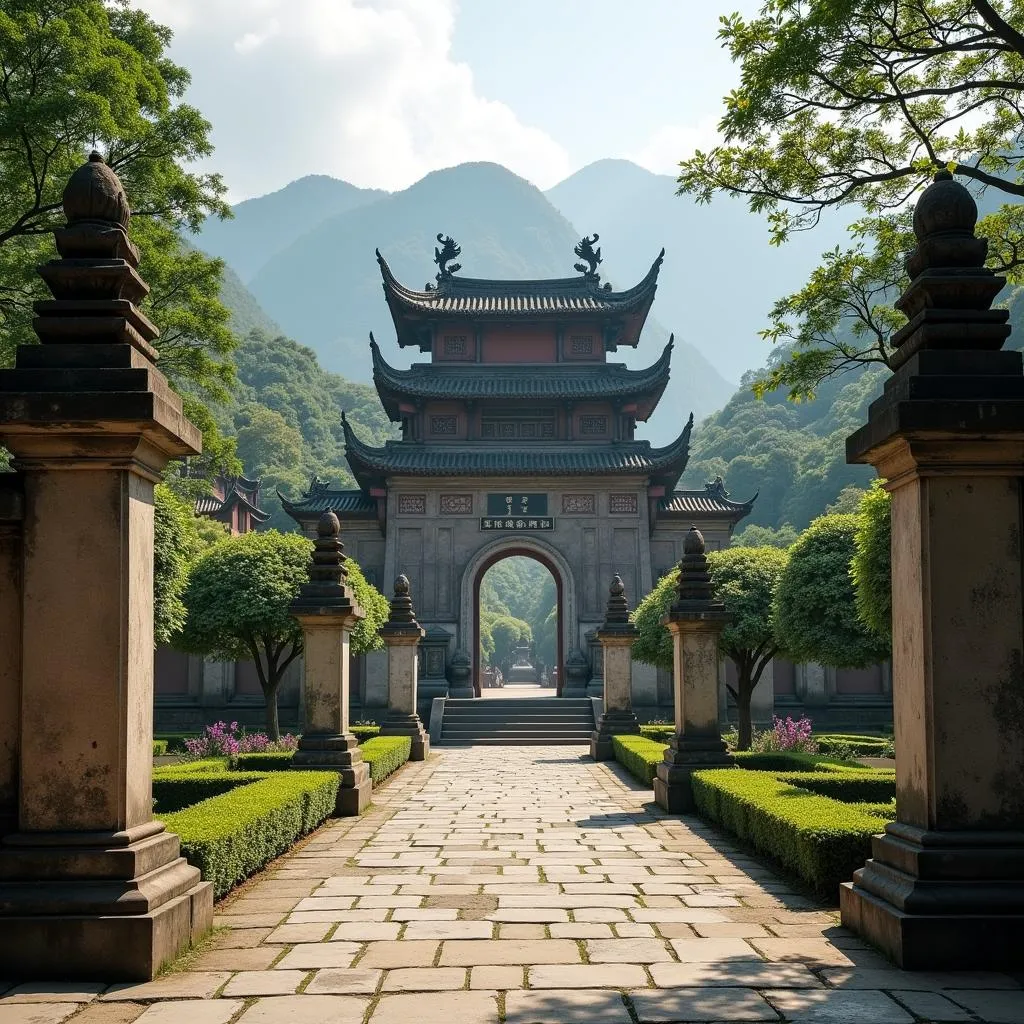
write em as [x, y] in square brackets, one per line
[231, 836]
[518, 603]
[385, 755]
[269, 761]
[84, 72]
[745, 580]
[238, 599]
[174, 789]
[849, 104]
[823, 840]
[871, 567]
[815, 611]
[159, 748]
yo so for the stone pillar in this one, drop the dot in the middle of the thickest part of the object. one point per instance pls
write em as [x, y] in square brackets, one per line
[945, 885]
[616, 636]
[401, 634]
[695, 621]
[327, 612]
[595, 684]
[90, 885]
[11, 515]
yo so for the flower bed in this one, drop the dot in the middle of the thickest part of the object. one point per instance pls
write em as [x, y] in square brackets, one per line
[231, 836]
[821, 839]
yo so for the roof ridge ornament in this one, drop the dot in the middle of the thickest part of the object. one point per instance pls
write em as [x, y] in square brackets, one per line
[590, 256]
[450, 250]
[716, 488]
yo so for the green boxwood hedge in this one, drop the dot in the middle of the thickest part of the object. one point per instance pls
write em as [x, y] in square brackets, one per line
[173, 791]
[858, 746]
[270, 761]
[850, 787]
[231, 836]
[385, 755]
[639, 756]
[364, 732]
[657, 732]
[822, 840]
[159, 748]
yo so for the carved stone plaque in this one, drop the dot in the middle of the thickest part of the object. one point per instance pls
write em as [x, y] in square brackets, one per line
[456, 504]
[622, 503]
[579, 503]
[412, 504]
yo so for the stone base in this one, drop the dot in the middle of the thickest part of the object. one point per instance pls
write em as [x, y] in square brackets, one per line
[617, 722]
[408, 725]
[941, 900]
[673, 789]
[574, 692]
[99, 906]
[339, 753]
[595, 688]
[461, 692]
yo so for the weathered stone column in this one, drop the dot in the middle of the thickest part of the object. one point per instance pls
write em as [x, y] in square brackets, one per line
[616, 636]
[945, 885]
[11, 515]
[695, 621]
[90, 885]
[402, 633]
[327, 611]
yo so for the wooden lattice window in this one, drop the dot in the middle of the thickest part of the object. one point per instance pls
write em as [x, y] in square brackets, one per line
[444, 424]
[594, 425]
[581, 344]
[456, 344]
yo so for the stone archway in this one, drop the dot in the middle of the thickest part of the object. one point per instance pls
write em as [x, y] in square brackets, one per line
[565, 592]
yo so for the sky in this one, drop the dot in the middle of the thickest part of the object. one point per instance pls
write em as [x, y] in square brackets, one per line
[380, 92]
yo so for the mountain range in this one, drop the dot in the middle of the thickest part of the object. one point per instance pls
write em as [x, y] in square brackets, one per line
[305, 255]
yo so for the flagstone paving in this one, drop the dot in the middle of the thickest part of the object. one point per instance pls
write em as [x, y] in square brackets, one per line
[531, 886]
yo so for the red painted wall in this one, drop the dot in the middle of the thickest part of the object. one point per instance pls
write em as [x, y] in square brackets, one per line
[519, 345]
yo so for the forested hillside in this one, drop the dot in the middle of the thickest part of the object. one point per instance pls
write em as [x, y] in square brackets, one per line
[517, 600]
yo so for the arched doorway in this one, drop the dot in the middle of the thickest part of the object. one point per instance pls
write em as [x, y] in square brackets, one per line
[565, 590]
[517, 626]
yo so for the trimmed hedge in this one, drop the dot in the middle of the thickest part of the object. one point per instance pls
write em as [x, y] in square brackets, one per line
[859, 746]
[159, 748]
[869, 786]
[385, 755]
[364, 732]
[231, 836]
[639, 755]
[270, 761]
[822, 840]
[207, 764]
[792, 761]
[175, 741]
[657, 732]
[174, 791]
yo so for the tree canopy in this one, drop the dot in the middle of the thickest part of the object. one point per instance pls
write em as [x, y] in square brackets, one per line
[815, 608]
[871, 567]
[745, 580]
[522, 589]
[844, 103]
[237, 606]
[84, 73]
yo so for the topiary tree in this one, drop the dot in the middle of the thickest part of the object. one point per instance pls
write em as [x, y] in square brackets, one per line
[237, 603]
[871, 568]
[745, 580]
[815, 609]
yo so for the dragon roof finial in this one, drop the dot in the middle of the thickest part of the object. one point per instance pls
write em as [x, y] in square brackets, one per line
[590, 256]
[449, 251]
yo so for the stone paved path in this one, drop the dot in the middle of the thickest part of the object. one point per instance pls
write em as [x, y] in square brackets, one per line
[524, 885]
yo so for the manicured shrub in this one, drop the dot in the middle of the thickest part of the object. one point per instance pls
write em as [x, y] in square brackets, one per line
[208, 764]
[850, 787]
[272, 761]
[173, 791]
[639, 755]
[822, 840]
[791, 761]
[386, 754]
[658, 732]
[365, 732]
[159, 748]
[854, 746]
[231, 836]
[175, 741]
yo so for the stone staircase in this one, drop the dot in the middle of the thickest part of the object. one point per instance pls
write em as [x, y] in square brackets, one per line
[519, 722]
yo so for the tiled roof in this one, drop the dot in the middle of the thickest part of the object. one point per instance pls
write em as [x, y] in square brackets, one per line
[404, 458]
[321, 498]
[713, 499]
[555, 381]
[480, 297]
[208, 504]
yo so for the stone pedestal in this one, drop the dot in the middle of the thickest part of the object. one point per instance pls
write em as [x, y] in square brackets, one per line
[616, 637]
[595, 684]
[460, 675]
[91, 886]
[402, 634]
[577, 672]
[695, 621]
[327, 612]
[945, 886]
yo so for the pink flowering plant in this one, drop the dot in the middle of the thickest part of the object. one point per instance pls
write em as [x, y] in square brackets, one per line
[785, 734]
[223, 739]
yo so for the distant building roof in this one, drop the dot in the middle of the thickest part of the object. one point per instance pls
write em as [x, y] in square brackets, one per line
[713, 500]
[371, 466]
[483, 299]
[321, 497]
[229, 491]
[558, 381]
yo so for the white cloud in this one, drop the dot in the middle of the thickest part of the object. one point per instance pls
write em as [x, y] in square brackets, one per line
[367, 92]
[671, 143]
